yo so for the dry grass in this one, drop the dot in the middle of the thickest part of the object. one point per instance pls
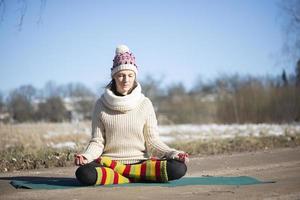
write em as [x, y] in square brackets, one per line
[33, 136]
[32, 146]
[237, 144]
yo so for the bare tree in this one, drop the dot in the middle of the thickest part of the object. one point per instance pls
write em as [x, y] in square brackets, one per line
[152, 88]
[2, 104]
[78, 90]
[20, 107]
[51, 89]
[2, 10]
[22, 10]
[298, 73]
[284, 78]
[52, 110]
[28, 91]
[291, 10]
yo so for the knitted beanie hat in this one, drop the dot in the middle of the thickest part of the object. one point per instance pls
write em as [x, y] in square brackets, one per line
[123, 60]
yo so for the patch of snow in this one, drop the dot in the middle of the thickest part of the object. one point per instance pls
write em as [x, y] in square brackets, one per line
[215, 131]
[69, 145]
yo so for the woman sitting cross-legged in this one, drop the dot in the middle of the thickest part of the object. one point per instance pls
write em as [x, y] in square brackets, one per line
[125, 135]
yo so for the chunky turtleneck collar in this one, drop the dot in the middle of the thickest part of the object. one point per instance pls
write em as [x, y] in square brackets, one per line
[123, 103]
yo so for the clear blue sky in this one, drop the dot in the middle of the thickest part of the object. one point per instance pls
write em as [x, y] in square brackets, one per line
[176, 40]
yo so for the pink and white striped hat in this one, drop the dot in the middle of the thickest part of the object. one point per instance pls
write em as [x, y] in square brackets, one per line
[123, 60]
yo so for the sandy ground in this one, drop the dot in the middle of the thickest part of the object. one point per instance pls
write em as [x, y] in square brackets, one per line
[280, 165]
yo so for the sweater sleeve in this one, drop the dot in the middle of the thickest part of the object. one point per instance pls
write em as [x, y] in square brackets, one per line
[96, 144]
[151, 134]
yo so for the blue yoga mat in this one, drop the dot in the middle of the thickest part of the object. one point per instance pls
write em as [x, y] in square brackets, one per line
[50, 183]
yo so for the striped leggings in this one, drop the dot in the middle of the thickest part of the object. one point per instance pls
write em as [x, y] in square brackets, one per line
[112, 172]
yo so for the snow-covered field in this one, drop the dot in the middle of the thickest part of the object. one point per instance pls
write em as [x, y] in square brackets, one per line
[187, 132]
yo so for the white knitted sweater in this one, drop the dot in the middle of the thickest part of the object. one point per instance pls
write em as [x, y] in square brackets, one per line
[125, 129]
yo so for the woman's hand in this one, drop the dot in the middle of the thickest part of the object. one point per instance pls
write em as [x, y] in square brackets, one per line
[79, 159]
[183, 157]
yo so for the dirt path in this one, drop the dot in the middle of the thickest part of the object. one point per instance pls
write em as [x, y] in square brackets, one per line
[281, 165]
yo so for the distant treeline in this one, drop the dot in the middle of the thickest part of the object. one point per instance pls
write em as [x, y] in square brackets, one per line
[227, 99]
[230, 99]
[53, 103]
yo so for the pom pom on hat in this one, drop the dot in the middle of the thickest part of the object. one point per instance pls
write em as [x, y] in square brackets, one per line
[122, 49]
[124, 60]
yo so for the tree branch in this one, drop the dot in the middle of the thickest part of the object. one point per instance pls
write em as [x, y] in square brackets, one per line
[2, 10]
[293, 10]
[23, 10]
[42, 9]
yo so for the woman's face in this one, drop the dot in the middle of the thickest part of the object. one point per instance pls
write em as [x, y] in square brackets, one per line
[124, 81]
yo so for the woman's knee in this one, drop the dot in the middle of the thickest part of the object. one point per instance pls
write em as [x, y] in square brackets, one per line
[176, 169]
[86, 174]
